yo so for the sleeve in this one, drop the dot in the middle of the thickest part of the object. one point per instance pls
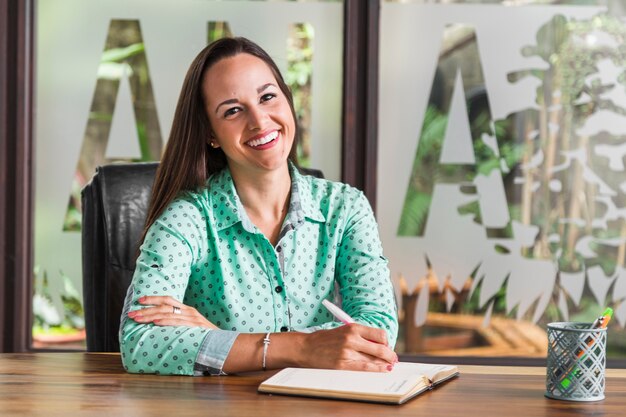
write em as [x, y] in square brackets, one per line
[362, 273]
[172, 245]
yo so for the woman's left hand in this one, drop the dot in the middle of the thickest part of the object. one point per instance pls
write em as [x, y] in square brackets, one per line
[167, 311]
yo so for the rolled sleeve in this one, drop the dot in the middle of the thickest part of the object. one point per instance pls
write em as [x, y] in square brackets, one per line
[213, 352]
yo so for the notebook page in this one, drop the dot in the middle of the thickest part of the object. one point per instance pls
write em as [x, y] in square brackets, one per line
[402, 379]
[429, 370]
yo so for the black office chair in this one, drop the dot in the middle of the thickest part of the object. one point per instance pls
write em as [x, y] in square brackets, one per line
[115, 203]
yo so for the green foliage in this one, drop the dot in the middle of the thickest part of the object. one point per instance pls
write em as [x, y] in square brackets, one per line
[44, 313]
[218, 30]
[73, 217]
[122, 54]
[472, 305]
[427, 170]
[415, 211]
[73, 314]
[418, 197]
[46, 316]
[571, 89]
[298, 77]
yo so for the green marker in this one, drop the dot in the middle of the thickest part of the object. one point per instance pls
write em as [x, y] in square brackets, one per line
[600, 323]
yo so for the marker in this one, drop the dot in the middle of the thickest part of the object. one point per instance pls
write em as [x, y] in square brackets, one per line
[600, 323]
[339, 314]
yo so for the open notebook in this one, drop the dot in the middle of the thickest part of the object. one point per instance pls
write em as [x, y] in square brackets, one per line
[396, 387]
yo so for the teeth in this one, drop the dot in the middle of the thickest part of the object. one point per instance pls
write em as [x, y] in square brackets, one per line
[264, 140]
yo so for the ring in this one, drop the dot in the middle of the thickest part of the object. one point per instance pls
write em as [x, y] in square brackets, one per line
[177, 310]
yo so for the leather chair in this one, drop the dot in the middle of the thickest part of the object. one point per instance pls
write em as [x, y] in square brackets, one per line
[114, 203]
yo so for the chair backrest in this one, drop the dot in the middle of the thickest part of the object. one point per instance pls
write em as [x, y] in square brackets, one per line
[115, 204]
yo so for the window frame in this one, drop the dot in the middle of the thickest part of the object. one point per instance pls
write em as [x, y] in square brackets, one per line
[16, 174]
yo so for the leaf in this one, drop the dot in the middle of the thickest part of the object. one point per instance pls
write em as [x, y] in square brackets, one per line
[120, 54]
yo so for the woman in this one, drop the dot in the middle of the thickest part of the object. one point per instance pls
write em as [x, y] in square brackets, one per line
[241, 249]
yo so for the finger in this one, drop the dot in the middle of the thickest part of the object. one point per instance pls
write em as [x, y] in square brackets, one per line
[174, 321]
[182, 321]
[163, 315]
[158, 311]
[373, 334]
[377, 350]
[159, 300]
[368, 364]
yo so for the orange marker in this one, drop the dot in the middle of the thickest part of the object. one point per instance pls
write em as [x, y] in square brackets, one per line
[600, 323]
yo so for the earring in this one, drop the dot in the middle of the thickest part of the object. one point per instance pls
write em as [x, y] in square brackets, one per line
[213, 145]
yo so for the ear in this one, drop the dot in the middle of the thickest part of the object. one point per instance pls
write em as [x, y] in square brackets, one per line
[211, 141]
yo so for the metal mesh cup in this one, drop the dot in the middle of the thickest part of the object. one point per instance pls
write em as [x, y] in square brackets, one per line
[576, 362]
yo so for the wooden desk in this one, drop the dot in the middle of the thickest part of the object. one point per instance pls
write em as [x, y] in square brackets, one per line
[88, 384]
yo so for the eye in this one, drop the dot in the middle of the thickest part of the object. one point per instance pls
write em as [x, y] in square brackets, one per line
[267, 97]
[231, 112]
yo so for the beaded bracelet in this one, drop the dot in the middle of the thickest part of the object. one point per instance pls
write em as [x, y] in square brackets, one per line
[266, 343]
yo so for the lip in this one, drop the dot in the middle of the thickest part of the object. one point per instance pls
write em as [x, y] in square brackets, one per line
[262, 135]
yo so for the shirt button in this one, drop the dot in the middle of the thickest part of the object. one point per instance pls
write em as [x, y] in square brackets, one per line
[278, 249]
[278, 289]
[284, 329]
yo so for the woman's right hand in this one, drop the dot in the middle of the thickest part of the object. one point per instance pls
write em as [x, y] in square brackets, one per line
[167, 311]
[351, 347]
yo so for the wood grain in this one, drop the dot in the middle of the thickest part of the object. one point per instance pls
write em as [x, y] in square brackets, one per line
[91, 384]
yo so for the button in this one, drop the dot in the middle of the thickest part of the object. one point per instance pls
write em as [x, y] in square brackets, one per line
[278, 249]
[284, 329]
[278, 289]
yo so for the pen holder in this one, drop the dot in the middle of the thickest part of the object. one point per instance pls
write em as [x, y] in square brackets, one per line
[576, 362]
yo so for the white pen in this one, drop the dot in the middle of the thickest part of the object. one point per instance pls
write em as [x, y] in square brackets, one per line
[339, 314]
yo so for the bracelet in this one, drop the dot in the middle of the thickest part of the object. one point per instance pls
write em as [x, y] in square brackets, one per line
[266, 343]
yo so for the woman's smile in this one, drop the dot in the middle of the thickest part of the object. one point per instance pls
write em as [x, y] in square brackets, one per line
[263, 141]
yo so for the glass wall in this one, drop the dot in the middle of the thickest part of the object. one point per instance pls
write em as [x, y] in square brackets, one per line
[108, 75]
[501, 145]
[503, 131]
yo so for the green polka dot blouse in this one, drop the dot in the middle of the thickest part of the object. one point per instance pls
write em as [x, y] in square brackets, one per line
[204, 251]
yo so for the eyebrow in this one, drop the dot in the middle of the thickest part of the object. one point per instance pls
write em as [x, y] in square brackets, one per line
[234, 100]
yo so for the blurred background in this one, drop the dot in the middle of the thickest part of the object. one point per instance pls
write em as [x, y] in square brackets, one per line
[496, 147]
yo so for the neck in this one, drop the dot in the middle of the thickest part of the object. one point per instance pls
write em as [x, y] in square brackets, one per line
[265, 195]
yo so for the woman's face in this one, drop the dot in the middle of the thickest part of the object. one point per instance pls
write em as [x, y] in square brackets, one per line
[250, 116]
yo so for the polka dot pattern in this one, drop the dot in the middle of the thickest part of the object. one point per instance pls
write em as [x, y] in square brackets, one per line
[205, 251]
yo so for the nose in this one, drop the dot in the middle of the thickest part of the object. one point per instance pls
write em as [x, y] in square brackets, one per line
[257, 118]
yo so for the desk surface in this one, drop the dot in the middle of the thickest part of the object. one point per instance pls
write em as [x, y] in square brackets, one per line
[90, 384]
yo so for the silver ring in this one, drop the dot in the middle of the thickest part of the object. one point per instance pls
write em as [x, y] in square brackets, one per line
[177, 310]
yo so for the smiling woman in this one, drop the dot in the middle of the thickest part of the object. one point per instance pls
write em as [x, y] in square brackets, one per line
[240, 249]
[251, 118]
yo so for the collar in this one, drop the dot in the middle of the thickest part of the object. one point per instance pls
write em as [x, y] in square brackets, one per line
[228, 210]
[225, 203]
[302, 203]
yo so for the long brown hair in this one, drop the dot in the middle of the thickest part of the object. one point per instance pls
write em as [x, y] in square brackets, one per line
[188, 160]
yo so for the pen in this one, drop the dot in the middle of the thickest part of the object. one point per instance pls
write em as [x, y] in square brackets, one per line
[600, 323]
[339, 314]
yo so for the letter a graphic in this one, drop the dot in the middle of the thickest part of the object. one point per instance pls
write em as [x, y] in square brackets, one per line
[124, 63]
[457, 140]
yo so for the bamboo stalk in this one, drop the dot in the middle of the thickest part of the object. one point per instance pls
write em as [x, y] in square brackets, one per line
[552, 136]
[621, 250]
[575, 201]
[528, 179]
[404, 289]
